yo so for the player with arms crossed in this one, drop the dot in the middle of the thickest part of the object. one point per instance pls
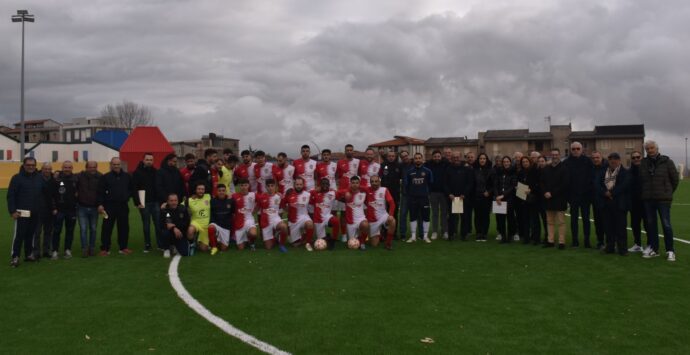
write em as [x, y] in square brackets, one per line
[296, 202]
[355, 201]
[377, 215]
[244, 224]
[368, 167]
[284, 174]
[270, 220]
[222, 209]
[305, 168]
[346, 169]
[322, 201]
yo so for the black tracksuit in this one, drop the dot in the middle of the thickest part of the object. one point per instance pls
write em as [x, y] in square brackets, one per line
[114, 192]
[24, 193]
[458, 181]
[391, 175]
[222, 212]
[504, 185]
[169, 180]
[483, 182]
[63, 192]
[181, 219]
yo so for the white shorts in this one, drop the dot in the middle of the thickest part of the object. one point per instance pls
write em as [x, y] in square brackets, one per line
[320, 229]
[267, 232]
[375, 227]
[353, 229]
[242, 235]
[296, 229]
[222, 234]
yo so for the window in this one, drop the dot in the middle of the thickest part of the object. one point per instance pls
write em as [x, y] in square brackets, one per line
[539, 146]
[629, 143]
[75, 155]
[55, 156]
[77, 136]
[604, 144]
[85, 155]
[69, 136]
[87, 134]
[9, 154]
[2, 154]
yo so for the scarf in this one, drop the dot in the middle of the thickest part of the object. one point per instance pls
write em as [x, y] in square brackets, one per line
[610, 178]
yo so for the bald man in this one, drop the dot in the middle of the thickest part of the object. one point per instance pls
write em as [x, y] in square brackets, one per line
[114, 191]
[64, 204]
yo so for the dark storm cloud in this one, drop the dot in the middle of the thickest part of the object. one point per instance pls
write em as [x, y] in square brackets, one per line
[279, 75]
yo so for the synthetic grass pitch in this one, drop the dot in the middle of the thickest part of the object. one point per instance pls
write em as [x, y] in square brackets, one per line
[468, 297]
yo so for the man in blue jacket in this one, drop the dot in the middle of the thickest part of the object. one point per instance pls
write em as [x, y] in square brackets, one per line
[614, 189]
[23, 203]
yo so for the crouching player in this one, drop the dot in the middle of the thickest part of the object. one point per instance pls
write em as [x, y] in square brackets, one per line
[269, 220]
[355, 199]
[243, 221]
[174, 222]
[199, 205]
[322, 201]
[301, 226]
[222, 209]
[377, 215]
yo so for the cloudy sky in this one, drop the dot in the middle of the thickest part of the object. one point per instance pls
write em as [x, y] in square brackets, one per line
[277, 74]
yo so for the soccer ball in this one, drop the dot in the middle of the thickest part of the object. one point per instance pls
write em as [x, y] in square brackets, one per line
[320, 244]
[353, 243]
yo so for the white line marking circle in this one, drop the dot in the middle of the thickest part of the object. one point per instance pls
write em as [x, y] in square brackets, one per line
[215, 320]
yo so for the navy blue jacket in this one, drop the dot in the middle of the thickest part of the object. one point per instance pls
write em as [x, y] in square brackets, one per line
[222, 211]
[621, 191]
[459, 180]
[25, 192]
[438, 170]
[115, 188]
[599, 172]
[581, 170]
[418, 181]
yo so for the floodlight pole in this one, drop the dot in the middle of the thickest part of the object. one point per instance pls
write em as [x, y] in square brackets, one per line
[22, 16]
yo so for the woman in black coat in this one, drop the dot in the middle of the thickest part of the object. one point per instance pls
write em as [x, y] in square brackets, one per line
[504, 192]
[528, 211]
[483, 190]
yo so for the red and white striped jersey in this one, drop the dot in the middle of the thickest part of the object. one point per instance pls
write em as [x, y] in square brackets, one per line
[246, 171]
[346, 169]
[376, 204]
[327, 170]
[244, 209]
[322, 202]
[270, 208]
[305, 169]
[354, 204]
[296, 204]
[284, 177]
[263, 173]
[367, 170]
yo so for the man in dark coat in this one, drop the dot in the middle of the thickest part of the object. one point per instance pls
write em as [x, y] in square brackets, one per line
[144, 179]
[391, 175]
[555, 180]
[23, 204]
[202, 171]
[614, 189]
[87, 208]
[600, 166]
[46, 221]
[659, 179]
[580, 169]
[458, 183]
[114, 191]
[438, 202]
[63, 194]
[637, 213]
[169, 180]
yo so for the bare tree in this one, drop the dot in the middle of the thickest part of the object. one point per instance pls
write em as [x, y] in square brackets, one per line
[127, 115]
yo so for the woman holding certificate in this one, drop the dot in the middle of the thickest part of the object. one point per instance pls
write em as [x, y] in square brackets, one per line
[504, 191]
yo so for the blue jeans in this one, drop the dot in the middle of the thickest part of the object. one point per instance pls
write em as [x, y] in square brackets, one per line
[151, 210]
[663, 209]
[88, 220]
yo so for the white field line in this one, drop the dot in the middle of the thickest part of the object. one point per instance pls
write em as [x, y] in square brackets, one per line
[643, 231]
[215, 320]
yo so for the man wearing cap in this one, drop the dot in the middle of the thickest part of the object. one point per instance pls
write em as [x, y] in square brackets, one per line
[614, 190]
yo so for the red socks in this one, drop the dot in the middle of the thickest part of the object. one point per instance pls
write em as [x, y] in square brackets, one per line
[389, 238]
[282, 238]
[212, 240]
[309, 234]
[335, 227]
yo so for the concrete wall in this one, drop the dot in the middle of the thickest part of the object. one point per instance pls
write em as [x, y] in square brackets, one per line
[9, 169]
[98, 152]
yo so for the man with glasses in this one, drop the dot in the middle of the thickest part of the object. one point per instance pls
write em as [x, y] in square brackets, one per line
[637, 213]
[581, 170]
[659, 180]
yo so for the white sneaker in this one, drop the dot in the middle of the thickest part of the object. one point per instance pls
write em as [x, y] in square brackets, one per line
[646, 250]
[412, 239]
[651, 254]
[166, 254]
[445, 236]
[68, 254]
[343, 238]
[499, 237]
[516, 238]
[670, 256]
[54, 255]
[308, 247]
[427, 240]
[434, 236]
[362, 247]
[635, 249]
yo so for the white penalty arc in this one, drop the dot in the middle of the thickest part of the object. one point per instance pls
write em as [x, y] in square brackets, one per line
[660, 235]
[215, 320]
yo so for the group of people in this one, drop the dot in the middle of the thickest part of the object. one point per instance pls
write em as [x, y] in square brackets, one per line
[212, 203]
